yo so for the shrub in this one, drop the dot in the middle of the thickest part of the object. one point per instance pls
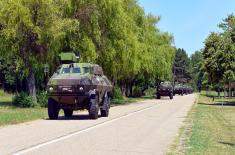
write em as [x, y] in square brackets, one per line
[150, 92]
[2, 93]
[42, 99]
[137, 91]
[23, 100]
[117, 93]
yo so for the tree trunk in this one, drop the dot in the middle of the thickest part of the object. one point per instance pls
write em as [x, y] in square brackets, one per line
[229, 89]
[207, 90]
[131, 89]
[128, 90]
[32, 86]
[123, 88]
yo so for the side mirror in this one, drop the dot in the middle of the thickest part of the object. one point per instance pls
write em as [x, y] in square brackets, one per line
[77, 54]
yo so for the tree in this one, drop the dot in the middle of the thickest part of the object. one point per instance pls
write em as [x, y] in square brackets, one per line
[181, 67]
[32, 28]
[125, 42]
[219, 53]
[118, 35]
[197, 69]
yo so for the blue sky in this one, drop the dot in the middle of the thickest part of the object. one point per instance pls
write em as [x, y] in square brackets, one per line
[190, 21]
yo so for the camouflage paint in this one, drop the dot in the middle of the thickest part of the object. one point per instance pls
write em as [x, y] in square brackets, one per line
[73, 88]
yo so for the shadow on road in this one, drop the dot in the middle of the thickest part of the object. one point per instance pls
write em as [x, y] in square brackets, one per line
[74, 117]
[164, 98]
[227, 143]
[6, 104]
[220, 103]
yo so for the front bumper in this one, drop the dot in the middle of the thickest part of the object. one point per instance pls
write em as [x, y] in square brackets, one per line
[79, 99]
[164, 92]
[178, 91]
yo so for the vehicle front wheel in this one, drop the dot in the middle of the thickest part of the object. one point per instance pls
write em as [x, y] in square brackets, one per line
[68, 112]
[106, 105]
[53, 109]
[94, 108]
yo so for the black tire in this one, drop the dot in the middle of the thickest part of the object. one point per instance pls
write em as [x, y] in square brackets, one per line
[68, 112]
[94, 109]
[171, 96]
[53, 109]
[182, 93]
[106, 105]
[158, 96]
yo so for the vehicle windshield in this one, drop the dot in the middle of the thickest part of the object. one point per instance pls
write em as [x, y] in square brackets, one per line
[86, 70]
[65, 70]
[165, 83]
[76, 70]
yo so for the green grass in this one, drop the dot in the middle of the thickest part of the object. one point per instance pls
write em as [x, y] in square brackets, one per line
[209, 129]
[126, 100]
[210, 93]
[10, 114]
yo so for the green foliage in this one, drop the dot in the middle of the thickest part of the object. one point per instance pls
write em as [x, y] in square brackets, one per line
[23, 100]
[137, 91]
[219, 53]
[118, 35]
[29, 29]
[2, 92]
[182, 68]
[117, 93]
[42, 99]
[150, 92]
[198, 70]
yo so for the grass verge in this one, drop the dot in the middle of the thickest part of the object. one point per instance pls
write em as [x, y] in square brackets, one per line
[209, 128]
[127, 100]
[10, 114]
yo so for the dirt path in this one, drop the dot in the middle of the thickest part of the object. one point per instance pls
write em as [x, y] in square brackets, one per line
[147, 127]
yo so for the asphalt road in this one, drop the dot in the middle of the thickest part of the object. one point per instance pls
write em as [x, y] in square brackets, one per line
[147, 127]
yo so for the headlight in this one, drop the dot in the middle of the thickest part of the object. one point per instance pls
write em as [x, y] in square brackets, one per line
[81, 88]
[51, 89]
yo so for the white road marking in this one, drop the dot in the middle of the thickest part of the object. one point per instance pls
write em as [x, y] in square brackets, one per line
[37, 146]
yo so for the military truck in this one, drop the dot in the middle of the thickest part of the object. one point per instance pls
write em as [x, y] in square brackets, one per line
[78, 86]
[165, 89]
[178, 89]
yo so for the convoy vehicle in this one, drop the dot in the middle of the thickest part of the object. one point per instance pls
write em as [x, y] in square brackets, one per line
[187, 89]
[78, 86]
[179, 89]
[165, 89]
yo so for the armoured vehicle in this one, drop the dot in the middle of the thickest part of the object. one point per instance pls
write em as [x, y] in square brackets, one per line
[178, 89]
[165, 89]
[187, 89]
[77, 86]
